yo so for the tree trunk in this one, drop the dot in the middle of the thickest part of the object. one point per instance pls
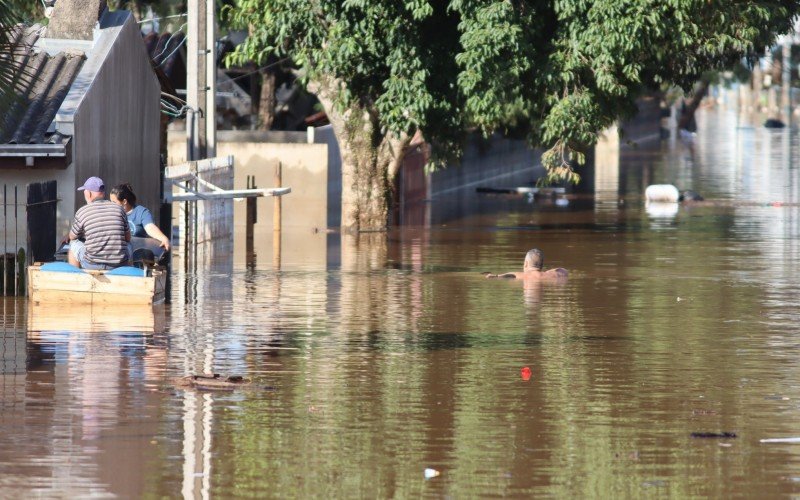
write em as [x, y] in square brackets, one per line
[266, 101]
[370, 161]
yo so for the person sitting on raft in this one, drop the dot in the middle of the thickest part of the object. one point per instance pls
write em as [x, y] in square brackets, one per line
[99, 235]
[140, 219]
[532, 269]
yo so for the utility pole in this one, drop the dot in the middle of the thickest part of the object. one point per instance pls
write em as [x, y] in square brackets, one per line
[786, 79]
[201, 79]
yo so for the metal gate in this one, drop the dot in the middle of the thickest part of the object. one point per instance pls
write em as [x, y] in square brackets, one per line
[29, 232]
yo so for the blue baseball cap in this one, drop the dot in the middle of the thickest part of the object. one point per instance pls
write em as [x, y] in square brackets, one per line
[93, 184]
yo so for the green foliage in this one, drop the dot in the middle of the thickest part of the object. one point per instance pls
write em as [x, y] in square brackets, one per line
[559, 69]
[9, 70]
[24, 11]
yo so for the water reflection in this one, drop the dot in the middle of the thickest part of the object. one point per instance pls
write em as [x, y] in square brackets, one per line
[80, 399]
[375, 357]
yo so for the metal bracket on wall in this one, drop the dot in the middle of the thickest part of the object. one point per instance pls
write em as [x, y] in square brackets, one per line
[189, 173]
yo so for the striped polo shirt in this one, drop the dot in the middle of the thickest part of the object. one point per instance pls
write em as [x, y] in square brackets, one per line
[102, 225]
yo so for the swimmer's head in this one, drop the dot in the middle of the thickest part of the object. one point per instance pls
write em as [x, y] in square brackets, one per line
[534, 259]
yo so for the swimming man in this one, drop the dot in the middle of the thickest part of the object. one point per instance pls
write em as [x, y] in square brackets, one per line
[532, 269]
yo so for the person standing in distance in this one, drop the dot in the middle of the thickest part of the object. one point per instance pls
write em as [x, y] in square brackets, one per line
[99, 234]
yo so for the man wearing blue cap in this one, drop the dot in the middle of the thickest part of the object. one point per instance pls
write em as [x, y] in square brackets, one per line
[99, 234]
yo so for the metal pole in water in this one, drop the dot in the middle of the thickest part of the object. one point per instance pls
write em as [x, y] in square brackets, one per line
[5, 239]
[276, 220]
[195, 211]
[16, 244]
[185, 235]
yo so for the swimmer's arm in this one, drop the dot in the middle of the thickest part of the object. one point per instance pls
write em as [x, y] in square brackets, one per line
[505, 275]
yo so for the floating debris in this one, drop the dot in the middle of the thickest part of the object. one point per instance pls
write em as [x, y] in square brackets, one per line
[704, 412]
[788, 440]
[431, 473]
[719, 435]
[212, 382]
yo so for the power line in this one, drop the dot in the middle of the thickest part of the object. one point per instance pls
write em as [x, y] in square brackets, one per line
[171, 53]
[152, 19]
[166, 45]
[260, 69]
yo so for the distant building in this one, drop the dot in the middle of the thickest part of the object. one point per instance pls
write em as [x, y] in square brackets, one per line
[88, 105]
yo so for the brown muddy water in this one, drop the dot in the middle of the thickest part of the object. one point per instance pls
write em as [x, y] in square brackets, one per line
[396, 356]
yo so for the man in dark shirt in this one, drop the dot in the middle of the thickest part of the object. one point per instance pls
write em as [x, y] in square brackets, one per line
[99, 234]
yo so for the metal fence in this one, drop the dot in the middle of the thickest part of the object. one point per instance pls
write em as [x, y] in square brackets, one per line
[29, 231]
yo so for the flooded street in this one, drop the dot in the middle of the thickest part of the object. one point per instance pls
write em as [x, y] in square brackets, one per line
[396, 355]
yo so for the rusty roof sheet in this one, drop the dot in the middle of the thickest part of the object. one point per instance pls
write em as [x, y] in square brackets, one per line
[42, 84]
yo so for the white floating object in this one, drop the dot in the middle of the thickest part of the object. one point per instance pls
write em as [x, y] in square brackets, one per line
[780, 440]
[664, 193]
[430, 473]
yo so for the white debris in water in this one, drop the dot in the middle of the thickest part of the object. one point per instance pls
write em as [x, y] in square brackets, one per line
[789, 440]
[430, 473]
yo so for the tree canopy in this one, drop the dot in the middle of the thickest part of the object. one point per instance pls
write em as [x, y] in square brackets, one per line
[8, 70]
[563, 69]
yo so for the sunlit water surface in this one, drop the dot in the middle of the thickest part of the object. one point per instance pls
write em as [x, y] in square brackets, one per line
[399, 356]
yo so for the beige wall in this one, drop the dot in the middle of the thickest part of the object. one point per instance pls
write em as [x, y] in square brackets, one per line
[304, 210]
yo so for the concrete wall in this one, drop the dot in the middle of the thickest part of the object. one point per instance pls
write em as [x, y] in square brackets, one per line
[304, 210]
[115, 110]
[325, 135]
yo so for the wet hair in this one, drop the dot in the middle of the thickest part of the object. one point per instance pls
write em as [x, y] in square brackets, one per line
[535, 259]
[124, 192]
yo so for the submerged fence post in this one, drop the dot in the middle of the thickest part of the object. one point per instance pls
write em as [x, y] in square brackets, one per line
[276, 220]
[5, 239]
[251, 217]
[16, 244]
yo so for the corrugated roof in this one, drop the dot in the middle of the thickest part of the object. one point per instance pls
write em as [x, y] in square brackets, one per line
[42, 85]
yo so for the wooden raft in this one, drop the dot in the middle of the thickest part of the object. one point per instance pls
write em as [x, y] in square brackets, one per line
[95, 287]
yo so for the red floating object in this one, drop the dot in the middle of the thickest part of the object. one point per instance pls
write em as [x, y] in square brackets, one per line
[526, 373]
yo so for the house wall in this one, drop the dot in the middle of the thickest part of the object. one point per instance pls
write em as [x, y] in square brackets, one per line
[67, 197]
[116, 121]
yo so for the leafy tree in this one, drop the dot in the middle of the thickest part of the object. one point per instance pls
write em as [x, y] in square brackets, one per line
[10, 14]
[386, 69]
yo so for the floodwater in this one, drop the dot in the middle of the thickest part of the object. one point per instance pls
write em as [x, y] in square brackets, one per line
[397, 356]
